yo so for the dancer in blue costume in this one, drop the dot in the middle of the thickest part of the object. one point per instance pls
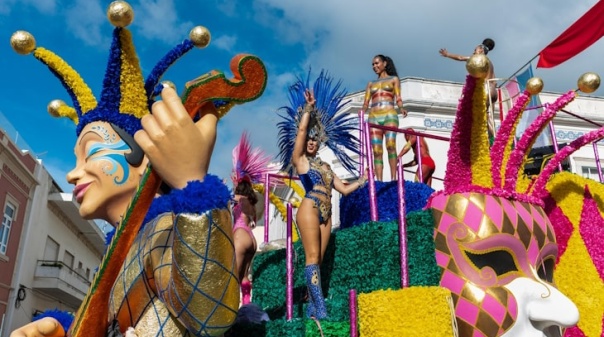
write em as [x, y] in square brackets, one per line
[316, 125]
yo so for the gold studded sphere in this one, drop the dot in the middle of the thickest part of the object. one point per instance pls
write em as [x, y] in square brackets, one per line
[23, 42]
[120, 14]
[478, 66]
[293, 200]
[169, 84]
[54, 106]
[589, 82]
[200, 36]
[534, 85]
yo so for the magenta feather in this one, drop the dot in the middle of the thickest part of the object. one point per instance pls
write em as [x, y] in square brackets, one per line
[249, 164]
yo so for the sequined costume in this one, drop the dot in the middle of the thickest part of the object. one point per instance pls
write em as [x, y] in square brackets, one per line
[318, 183]
[382, 94]
[171, 284]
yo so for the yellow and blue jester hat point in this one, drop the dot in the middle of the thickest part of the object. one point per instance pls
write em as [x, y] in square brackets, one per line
[126, 96]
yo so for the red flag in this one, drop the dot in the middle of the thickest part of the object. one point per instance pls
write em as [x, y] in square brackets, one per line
[580, 35]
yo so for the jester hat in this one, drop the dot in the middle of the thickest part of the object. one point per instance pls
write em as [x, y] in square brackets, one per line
[474, 166]
[126, 96]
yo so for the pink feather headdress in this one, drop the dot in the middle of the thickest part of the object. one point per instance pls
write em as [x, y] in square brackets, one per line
[249, 164]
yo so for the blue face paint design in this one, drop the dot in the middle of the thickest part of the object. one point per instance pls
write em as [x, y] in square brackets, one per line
[114, 154]
[107, 138]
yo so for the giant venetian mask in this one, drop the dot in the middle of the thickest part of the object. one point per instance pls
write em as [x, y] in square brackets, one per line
[495, 245]
[497, 257]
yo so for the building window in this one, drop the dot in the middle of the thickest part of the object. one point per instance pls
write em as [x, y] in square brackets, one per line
[88, 273]
[80, 269]
[68, 260]
[590, 172]
[51, 250]
[7, 222]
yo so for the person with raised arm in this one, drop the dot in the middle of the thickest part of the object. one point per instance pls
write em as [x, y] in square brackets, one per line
[315, 124]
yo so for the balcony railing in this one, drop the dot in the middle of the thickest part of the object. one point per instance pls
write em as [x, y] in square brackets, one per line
[58, 280]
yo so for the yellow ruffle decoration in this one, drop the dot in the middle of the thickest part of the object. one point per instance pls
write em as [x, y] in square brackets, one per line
[576, 275]
[297, 188]
[480, 152]
[69, 112]
[70, 77]
[134, 97]
[280, 207]
[410, 312]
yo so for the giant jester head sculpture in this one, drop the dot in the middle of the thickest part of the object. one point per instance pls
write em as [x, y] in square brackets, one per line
[495, 245]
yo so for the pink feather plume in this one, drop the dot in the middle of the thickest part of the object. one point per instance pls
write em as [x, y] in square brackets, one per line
[249, 164]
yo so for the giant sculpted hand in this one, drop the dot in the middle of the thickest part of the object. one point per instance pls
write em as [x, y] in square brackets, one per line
[45, 327]
[172, 142]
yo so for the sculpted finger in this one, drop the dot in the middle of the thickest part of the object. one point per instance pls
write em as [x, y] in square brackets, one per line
[161, 113]
[50, 327]
[152, 128]
[18, 333]
[174, 104]
[142, 139]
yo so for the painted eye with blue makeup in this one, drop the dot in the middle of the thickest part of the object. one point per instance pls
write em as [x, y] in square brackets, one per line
[102, 176]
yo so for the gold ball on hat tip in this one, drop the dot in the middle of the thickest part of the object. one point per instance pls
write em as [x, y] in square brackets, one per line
[23, 42]
[478, 66]
[54, 106]
[169, 84]
[293, 200]
[534, 85]
[120, 14]
[589, 82]
[200, 36]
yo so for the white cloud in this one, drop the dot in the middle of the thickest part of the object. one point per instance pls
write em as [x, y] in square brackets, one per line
[344, 38]
[229, 8]
[225, 42]
[85, 19]
[159, 21]
[43, 6]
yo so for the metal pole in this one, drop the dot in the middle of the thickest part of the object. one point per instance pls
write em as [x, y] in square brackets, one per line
[266, 203]
[362, 155]
[552, 131]
[289, 256]
[2, 324]
[500, 106]
[352, 308]
[402, 227]
[582, 118]
[598, 165]
[418, 149]
[517, 71]
[372, 192]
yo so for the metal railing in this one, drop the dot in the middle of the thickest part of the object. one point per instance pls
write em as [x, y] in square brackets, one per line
[268, 179]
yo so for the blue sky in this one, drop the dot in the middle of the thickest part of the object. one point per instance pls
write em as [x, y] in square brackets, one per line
[288, 35]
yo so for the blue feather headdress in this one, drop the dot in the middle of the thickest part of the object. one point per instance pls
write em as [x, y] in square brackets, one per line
[336, 131]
